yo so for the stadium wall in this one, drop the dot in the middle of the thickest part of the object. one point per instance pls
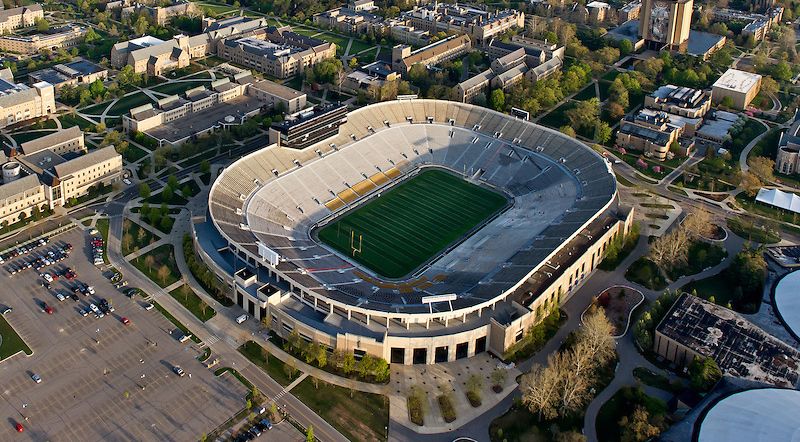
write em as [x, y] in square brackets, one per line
[405, 337]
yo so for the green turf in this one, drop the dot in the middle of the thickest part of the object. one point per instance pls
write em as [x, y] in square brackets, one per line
[407, 225]
[11, 343]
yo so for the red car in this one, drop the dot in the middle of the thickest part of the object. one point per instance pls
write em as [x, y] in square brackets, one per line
[49, 310]
[125, 320]
[18, 426]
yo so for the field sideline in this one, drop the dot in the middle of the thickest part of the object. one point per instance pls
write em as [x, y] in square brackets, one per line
[412, 222]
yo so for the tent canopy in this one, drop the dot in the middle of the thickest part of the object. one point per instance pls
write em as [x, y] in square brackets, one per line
[780, 199]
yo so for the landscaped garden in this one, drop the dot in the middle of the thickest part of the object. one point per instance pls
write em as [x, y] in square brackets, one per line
[10, 342]
[282, 373]
[631, 415]
[618, 304]
[135, 237]
[159, 265]
[357, 415]
[189, 299]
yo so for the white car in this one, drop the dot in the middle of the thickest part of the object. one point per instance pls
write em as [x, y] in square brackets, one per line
[126, 181]
[59, 296]
[148, 306]
[90, 289]
[47, 277]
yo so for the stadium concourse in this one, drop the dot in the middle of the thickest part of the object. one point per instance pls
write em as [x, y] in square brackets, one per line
[479, 293]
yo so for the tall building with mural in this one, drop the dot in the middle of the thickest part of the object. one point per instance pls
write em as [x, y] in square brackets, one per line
[665, 24]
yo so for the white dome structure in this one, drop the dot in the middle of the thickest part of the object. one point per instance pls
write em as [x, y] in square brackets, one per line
[759, 415]
[787, 301]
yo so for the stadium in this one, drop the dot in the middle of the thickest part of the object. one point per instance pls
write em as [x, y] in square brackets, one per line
[418, 231]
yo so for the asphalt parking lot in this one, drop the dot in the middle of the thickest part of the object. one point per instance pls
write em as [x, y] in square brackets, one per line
[101, 379]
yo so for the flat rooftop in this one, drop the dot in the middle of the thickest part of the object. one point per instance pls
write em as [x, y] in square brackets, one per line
[739, 347]
[200, 121]
[701, 43]
[738, 81]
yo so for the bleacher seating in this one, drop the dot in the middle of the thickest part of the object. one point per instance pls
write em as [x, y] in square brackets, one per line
[267, 197]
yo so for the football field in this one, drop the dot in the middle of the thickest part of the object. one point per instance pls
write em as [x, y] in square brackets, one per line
[397, 232]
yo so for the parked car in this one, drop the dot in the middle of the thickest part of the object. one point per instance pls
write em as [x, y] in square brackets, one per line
[47, 309]
[125, 320]
[47, 277]
[178, 371]
[18, 426]
[36, 378]
[6, 310]
[149, 306]
[60, 296]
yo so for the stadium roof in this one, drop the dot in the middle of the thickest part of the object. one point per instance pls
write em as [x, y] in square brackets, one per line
[787, 301]
[759, 415]
[780, 199]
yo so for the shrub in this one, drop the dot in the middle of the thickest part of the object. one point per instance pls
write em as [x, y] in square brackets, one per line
[446, 407]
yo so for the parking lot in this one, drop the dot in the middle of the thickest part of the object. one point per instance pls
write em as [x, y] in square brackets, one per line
[101, 379]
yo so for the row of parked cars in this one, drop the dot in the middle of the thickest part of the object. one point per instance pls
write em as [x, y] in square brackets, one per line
[24, 249]
[254, 431]
[97, 250]
[41, 260]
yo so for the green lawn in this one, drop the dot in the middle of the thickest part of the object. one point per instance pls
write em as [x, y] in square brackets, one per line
[645, 272]
[102, 226]
[557, 117]
[162, 256]
[274, 367]
[179, 87]
[357, 415]
[189, 299]
[178, 324]
[139, 237]
[11, 343]
[68, 120]
[586, 93]
[95, 109]
[622, 404]
[398, 231]
[125, 104]
[22, 137]
[134, 153]
[753, 229]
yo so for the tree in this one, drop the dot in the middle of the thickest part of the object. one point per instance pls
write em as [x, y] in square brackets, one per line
[769, 86]
[540, 389]
[163, 273]
[615, 110]
[149, 261]
[42, 24]
[704, 373]
[567, 130]
[782, 71]
[497, 99]
[625, 47]
[727, 102]
[205, 167]
[585, 114]
[91, 36]
[670, 250]
[763, 168]
[750, 183]
[348, 363]
[602, 132]
[638, 428]
[167, 194]
[144, 191]
[310, 434]
[748, 270]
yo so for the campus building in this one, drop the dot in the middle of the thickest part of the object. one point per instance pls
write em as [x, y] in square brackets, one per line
[154, 56]
[651, 134]
[403, 57]
[277, 52]
[229, 101]
[49, 171]
[72, 73]
[19, 102]
[476, 297]
[694, 327]
[60, 37]
[739, 86]
[757, 25]
[522, 58]
[161, 14]
[479, 24]
[665, 24]
[22, 17]
[309, 126]
[369, 78]
[348, 20]
[787, 160]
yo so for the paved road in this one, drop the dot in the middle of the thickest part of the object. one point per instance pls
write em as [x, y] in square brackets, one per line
[746, 151]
